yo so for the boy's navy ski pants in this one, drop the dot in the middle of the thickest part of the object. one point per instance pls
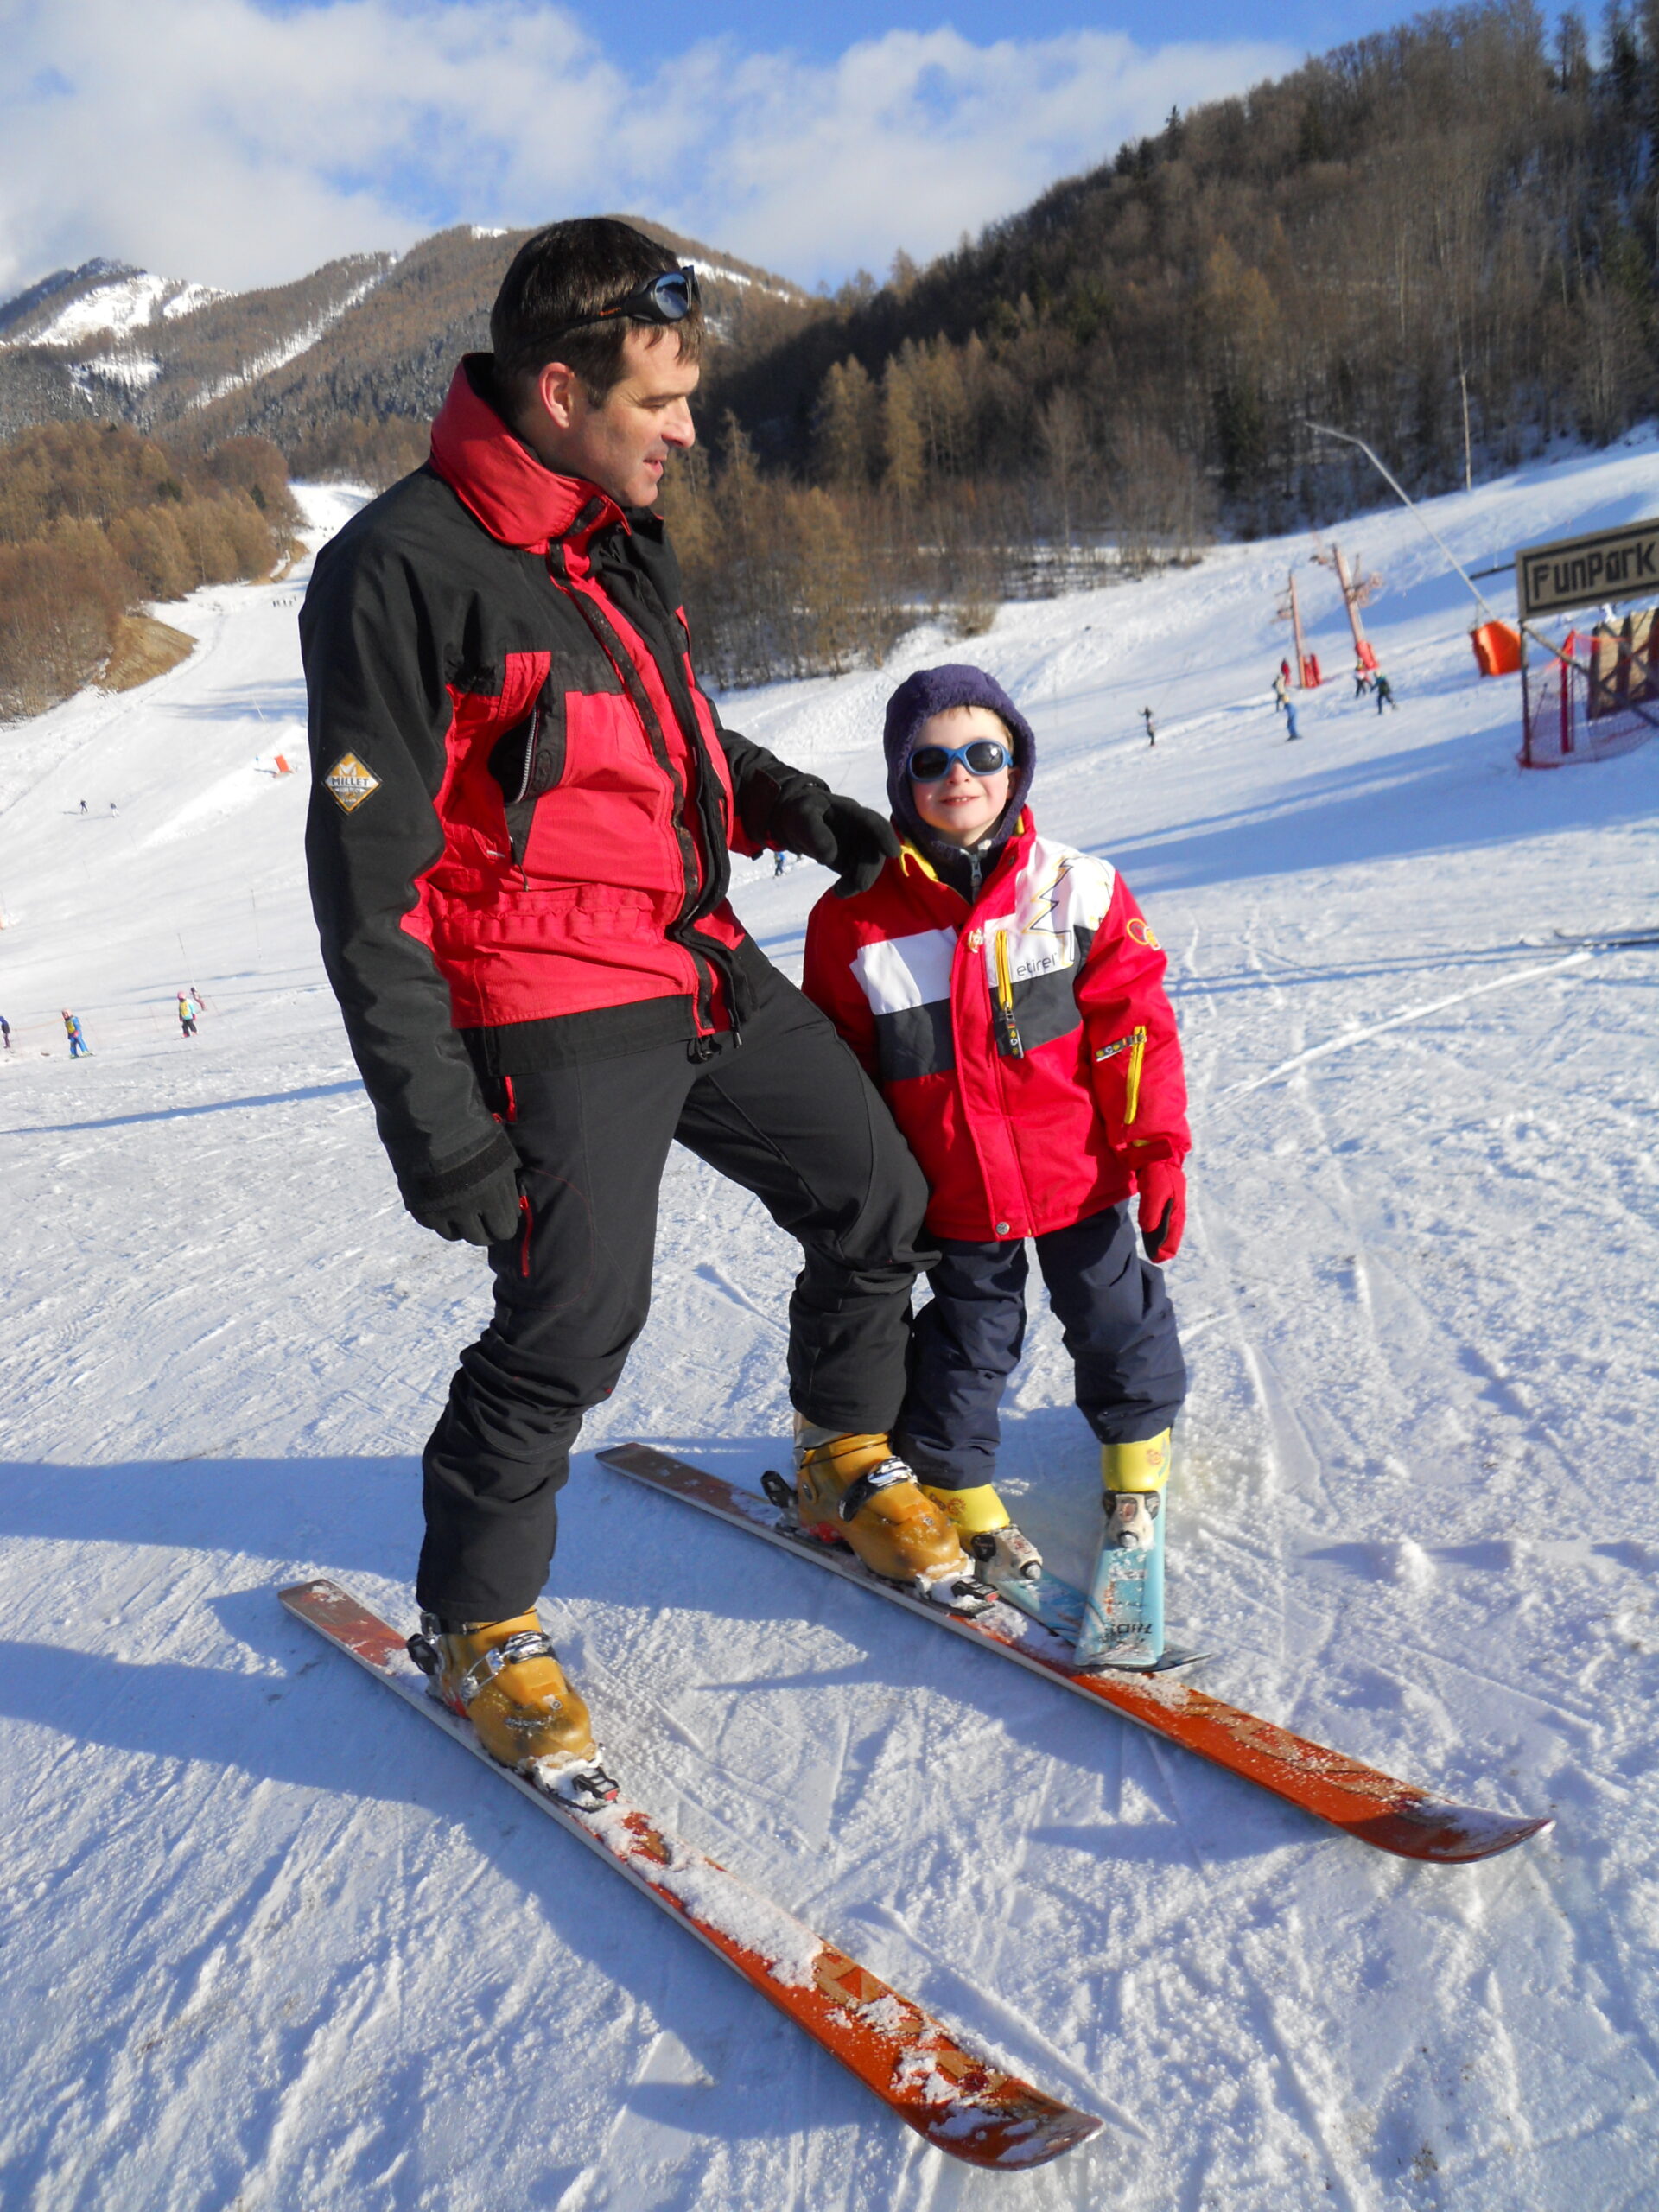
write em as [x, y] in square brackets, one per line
[1115, 1320]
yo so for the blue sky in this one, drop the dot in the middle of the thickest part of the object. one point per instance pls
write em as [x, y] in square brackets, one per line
[245, 140]
[1309, 24]
[822, 31]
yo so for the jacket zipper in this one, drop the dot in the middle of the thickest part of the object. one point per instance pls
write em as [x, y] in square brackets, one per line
[1005, 997]
[1136, 1044]
[692, 863]
[1132, 1088]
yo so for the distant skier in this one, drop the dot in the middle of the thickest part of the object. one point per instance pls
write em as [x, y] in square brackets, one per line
[111, 806]
[1049, 1135]
[78, 1045]
[187, 1012]
[83, 806]
[5, 1031]
[1385, 692]
[1282, 688]
[1362, 679]
[1152, 726]
[1291, 730]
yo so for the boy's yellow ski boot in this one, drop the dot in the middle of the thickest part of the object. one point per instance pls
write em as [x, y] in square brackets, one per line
[1003, 1552]
[505, 1677]
[853, 1489]
[1123, 1618]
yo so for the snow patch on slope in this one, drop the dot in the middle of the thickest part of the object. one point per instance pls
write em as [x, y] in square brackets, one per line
[301, 341]
[136, 370]
[125, 306]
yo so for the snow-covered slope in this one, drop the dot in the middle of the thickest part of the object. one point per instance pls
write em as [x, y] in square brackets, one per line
[129, 300]
[270, 1942]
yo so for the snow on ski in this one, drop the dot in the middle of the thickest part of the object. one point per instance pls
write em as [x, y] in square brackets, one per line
[959, 2102]
[1376, 1808]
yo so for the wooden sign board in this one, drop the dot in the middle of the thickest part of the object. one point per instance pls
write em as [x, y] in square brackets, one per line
[1608, 564]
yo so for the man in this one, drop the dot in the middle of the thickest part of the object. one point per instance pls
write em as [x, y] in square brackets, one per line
[518, 849]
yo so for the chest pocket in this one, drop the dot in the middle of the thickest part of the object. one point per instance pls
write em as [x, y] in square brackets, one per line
[529, 761]
[1031, 974]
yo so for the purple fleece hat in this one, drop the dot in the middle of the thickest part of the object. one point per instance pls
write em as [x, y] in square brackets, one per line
[934, 691]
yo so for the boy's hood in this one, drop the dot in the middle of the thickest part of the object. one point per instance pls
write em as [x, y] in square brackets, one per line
[935, 692]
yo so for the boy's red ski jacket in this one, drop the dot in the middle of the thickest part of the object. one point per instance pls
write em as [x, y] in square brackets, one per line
[522, 803]
[1025, 1045]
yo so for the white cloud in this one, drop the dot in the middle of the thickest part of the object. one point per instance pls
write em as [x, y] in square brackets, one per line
[211, 139]
[911, 139]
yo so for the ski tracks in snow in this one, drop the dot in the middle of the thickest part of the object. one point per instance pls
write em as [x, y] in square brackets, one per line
[259, 1954]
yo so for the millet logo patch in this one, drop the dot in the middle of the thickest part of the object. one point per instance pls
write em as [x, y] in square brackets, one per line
[350, 782]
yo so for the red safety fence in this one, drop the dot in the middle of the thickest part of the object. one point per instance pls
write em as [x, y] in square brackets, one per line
[1575, 711]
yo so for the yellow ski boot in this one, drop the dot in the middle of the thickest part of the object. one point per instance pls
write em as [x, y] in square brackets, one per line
[981, 1520]
[505, 1677]
[1123, 1614]
[1132, 1477]
[852, 1490]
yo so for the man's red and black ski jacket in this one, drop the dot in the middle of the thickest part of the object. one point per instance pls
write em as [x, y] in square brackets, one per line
[523, 803]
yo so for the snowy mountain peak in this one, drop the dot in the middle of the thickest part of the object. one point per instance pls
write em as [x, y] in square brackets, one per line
[125, 301]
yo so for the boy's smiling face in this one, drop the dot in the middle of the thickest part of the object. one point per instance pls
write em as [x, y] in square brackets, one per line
[961, 806]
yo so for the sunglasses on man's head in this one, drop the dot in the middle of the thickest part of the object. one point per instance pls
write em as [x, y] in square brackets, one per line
[665, 299]
[984, 757]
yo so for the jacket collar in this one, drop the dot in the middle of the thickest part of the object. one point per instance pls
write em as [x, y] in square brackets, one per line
[497, 478]
[913, 859]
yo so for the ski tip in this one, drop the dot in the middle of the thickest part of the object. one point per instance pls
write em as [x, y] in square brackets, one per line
[1448, 1835]
[346, 1621]
[307, 1599]
[1032, 2132]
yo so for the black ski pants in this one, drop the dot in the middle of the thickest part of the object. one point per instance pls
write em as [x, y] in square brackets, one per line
[790, 1115]
[1115, 1320]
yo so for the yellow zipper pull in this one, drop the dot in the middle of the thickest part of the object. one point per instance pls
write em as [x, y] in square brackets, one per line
[1132, 1088]
[1005, 996]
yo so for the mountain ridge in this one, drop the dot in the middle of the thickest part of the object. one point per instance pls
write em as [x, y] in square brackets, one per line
[345, 365]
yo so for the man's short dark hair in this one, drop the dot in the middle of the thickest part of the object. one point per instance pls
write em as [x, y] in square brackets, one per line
[561, 273]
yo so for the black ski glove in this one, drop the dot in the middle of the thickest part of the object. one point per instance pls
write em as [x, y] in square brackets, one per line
[853, 840]
[476, 1202]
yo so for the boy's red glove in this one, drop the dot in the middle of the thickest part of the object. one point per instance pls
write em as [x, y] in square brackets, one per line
[1163, 1207]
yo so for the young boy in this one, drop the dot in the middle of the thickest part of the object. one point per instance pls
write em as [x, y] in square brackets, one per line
[1005, 993]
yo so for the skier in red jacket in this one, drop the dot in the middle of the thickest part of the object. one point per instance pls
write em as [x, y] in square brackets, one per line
[522, 819]
[1006, 993]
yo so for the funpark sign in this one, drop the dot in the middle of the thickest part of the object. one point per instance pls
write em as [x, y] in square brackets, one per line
[1607, 564]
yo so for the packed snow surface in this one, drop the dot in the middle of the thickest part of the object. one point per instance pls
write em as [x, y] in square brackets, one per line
[271, 1943]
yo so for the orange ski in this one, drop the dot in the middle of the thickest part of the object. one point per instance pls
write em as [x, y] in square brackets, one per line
[1397, 1816]
[960, 2101]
